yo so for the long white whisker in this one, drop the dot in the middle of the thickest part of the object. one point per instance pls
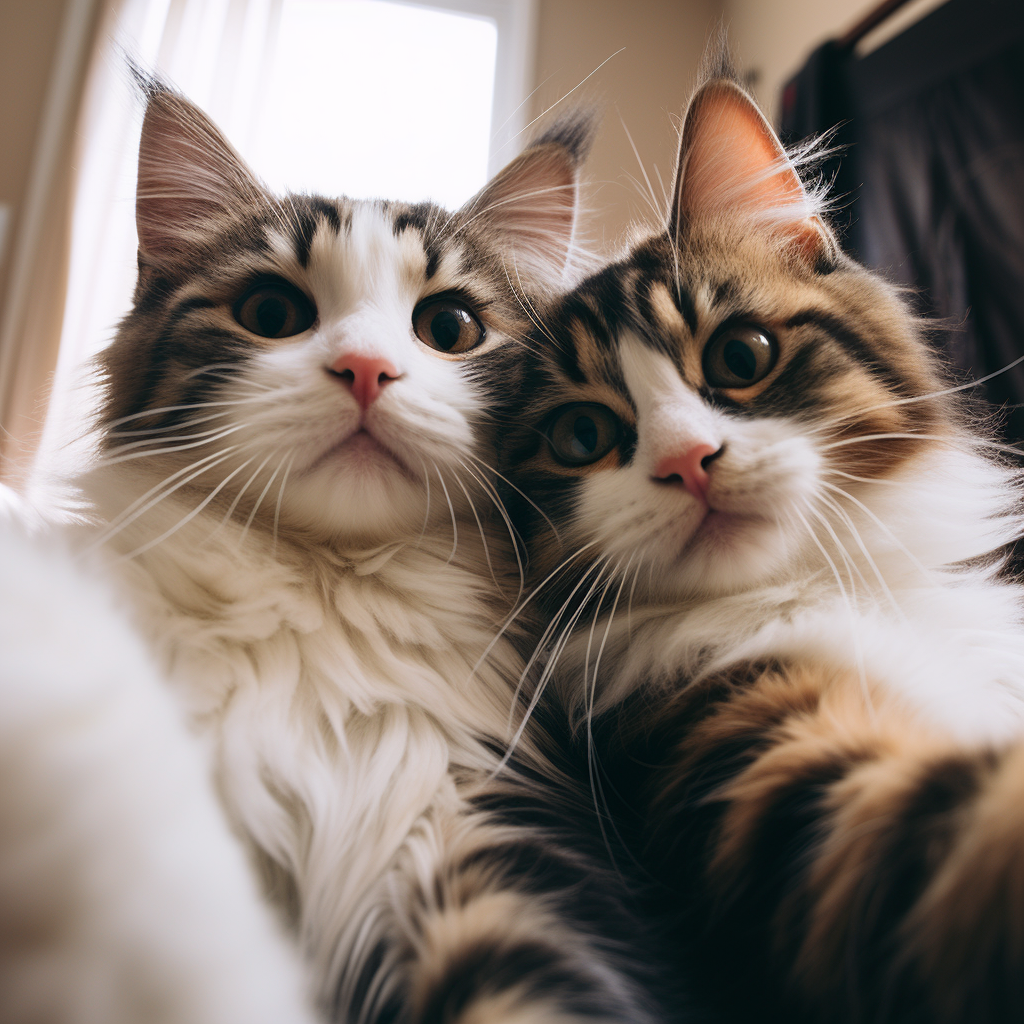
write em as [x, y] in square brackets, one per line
[512, 532]
[479, 526]
[157, 494]
[892, 536]
[846, 598]
[179, 408]
[513, 615]
[480, 462]
[238, 497]
[150, 431]
[280, 498]
[167, 451]
[855, 533]
[596, 789]
[185, 520]
[259, 500]
[550, 666]
[451, 508]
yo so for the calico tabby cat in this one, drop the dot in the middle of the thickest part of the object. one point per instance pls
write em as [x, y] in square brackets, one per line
[770, 547]
[289, 495]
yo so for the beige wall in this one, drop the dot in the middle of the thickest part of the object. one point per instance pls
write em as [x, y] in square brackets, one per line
[773, 37]
[646, 85]
[29, 31]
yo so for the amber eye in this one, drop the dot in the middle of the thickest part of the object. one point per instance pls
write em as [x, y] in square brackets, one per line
[738, 356]
[583, 433]
[447, 325]
[275, 309]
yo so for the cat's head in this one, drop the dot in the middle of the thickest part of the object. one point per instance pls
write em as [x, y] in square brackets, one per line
[324, 364]
[692, 412]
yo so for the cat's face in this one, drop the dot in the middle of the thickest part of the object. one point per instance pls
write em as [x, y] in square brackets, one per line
[323, 364]
[693, 408]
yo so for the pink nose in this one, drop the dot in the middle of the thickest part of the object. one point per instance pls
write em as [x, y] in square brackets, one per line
[690, 468]
[365, 376]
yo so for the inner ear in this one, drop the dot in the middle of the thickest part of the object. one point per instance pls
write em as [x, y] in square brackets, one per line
[732, 165]
[189, 176]
[531, 207]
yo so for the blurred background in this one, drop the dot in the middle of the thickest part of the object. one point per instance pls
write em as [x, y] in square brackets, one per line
[425, 100]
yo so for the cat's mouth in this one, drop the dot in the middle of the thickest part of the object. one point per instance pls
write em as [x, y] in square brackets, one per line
[362, 450]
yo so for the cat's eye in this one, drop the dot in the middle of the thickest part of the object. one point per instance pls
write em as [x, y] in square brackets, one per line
[583, 433]
[447, 325]
[739, 355]
[275, 309]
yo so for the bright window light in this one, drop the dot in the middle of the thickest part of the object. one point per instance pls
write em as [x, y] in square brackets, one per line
[376, 99]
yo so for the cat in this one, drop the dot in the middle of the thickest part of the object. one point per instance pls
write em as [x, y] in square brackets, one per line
[289, 496]
[768, 538]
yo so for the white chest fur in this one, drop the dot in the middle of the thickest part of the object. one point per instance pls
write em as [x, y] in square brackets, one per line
[340, 698]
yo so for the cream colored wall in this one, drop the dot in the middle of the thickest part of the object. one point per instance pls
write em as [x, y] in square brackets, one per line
[29, 31]
[645, 87]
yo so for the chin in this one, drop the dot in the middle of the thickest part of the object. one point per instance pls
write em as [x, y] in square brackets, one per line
[729, 554]
[369, 502]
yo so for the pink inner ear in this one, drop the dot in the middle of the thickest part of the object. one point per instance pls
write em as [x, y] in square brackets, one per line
[732, 164]
[532, 203]
[188, 173]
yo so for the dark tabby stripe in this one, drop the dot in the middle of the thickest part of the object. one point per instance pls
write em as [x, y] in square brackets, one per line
[869, 859]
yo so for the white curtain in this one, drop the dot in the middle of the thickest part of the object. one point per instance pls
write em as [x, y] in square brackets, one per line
[214, 50]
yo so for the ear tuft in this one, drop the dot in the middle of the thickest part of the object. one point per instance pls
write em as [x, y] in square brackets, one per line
[189, 175]
[531, 205]
[732, 166]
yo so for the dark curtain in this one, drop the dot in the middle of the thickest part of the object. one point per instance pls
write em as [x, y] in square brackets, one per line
[930, 177]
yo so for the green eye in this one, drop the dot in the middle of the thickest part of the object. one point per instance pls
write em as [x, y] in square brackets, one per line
[447, 325]
[583, 433]
[275, 309]
[738, 356]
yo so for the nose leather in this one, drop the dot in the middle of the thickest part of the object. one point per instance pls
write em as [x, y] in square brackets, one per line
[690, 468]
[364, 376]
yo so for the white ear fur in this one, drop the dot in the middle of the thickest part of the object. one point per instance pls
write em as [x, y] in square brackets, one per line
[531, 205]
[189, 174]
[732, 165]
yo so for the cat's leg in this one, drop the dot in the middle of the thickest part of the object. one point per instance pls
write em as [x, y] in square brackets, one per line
[123, 897]
[833, 841]
[508, 926]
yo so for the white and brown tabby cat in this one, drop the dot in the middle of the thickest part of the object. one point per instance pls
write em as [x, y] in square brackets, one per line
[778, 605]
[289, 497]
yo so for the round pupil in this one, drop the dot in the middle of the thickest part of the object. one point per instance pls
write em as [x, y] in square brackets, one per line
[271, 315]
[740, 359]
[584, 439]
[445, 327]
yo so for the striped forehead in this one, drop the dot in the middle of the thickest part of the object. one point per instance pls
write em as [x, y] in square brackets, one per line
[353, 252]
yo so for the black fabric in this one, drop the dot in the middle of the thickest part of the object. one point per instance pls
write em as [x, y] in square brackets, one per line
[931, 177]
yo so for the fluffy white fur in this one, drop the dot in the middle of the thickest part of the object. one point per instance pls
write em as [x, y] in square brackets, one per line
[123, 897]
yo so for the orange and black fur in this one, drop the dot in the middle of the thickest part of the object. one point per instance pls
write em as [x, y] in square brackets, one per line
[769, 546]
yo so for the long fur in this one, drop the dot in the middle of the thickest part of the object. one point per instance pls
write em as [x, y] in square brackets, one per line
[804, 687]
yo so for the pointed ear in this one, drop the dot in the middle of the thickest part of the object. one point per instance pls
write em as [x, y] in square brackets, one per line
[189, 176]
[532, 204]
[731, 164]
